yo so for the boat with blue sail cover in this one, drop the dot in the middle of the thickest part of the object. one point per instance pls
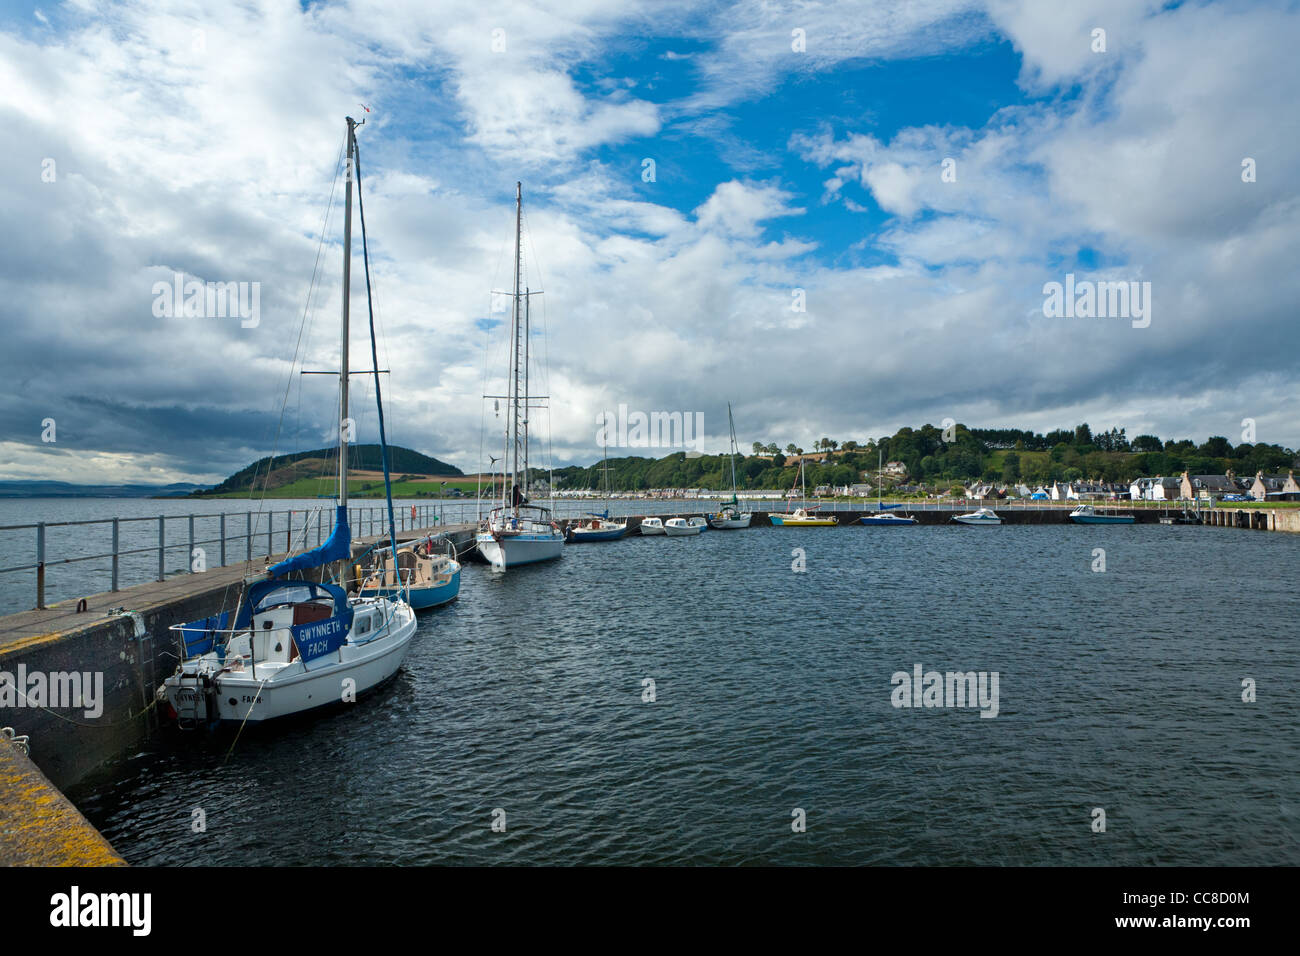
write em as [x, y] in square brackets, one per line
[883, 518]
[294, 643]
[597, 525]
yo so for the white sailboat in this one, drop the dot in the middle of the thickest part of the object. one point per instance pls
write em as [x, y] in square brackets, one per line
[729, 515]
[296, 645]
[517, 532]
[883, 518]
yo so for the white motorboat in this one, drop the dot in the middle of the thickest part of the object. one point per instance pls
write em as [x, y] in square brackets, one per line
[887, 519]
[680, 527]
[652, 526]
[980, 516]
[295, 645]
[517, 532]
[1087, 514]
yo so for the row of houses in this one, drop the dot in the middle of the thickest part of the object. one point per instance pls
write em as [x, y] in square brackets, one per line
[1203, 487]
[1187, 487]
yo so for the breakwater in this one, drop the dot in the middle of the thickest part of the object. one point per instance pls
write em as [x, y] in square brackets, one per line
[1251, 518]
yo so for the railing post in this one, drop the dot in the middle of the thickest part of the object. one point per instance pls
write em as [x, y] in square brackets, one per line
[320, 517]
[223, 539]
[116, 559]
[288, 533]
[40, 566]
[162, 544]
[191, 559]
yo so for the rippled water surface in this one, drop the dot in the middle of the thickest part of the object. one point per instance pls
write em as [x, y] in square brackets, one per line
[1119, 690]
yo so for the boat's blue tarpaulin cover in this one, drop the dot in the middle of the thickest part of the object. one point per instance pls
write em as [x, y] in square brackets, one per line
[337, 547]
[314, 638]
[199, 637]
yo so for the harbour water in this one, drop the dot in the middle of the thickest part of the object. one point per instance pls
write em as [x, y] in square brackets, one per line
[1119, 689]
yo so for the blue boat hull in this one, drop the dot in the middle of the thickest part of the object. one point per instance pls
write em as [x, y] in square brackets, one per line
[421, 599]
[887, 522]
[1102, 519]
[577, 536]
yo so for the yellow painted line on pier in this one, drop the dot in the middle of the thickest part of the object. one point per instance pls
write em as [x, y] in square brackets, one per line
[39, 826]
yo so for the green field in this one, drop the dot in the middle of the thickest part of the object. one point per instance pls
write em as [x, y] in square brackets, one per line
[367, 488]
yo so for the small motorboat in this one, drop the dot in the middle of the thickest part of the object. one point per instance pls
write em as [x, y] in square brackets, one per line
[803, 518]
[679, 527]
[652, 526]
[979, 516]
[1087, 514]
[598, 527]
[887, 519]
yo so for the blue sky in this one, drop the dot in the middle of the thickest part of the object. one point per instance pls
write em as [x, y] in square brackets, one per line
[204, 141]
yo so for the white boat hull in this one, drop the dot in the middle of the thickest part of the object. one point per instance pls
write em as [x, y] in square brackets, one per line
[509, 551]
[681, 530]
[976, 520]
[732, 521]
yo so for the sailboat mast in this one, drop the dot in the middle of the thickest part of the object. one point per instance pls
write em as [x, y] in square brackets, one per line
[880, 470]
[527, 332]
[515, 352]
[731, 423]
[347, 290]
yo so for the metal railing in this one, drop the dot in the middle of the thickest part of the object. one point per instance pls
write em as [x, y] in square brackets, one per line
[130, 539]
[138, 549]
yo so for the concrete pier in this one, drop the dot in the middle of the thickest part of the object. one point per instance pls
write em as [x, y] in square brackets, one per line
[38, 825]
[121, 639]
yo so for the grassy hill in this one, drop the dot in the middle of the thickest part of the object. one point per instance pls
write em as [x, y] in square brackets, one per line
[307, 474]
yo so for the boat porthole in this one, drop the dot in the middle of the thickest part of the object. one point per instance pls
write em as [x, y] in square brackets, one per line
[233, 702]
